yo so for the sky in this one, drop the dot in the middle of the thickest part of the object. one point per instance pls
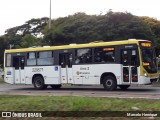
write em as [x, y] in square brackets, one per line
[16, 12]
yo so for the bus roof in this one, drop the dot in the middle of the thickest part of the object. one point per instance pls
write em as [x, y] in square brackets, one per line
[92, 44]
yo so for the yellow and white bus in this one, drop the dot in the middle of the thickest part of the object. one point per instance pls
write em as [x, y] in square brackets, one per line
[112, 64]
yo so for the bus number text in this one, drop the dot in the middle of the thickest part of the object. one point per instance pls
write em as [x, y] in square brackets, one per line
[37, 69]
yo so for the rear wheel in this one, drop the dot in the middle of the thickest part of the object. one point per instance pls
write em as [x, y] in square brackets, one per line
[56, 86]
[109, 83]
[124, 87]
[38, 83]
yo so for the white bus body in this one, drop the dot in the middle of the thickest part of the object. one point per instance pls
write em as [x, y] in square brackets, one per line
[65, 69]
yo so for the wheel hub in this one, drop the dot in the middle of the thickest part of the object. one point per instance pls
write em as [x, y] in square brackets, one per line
[38, 83]
[109, 82]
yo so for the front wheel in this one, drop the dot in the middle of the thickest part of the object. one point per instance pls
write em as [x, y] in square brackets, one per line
[109, 83]
[38, 83]
[124, 87]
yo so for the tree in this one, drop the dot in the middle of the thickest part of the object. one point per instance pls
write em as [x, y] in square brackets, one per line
[4, 45]
[155, 27]
[118, 26]
[82, 28]
[33, 27]
[29, 41]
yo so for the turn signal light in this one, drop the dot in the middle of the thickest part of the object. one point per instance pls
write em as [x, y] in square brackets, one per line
[145, 64]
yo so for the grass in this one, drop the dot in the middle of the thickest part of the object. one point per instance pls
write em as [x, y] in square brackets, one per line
[70, 103]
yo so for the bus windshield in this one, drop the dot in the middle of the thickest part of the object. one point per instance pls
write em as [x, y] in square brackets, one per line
[149, 60]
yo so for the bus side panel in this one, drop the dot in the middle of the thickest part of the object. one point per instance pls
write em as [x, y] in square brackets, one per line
[91, 74]
[51, 74]
[9, 75]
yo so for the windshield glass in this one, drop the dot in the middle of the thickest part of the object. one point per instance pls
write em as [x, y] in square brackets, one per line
[149, 60]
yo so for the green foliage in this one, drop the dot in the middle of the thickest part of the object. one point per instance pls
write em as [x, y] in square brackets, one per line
[82, 28]
[155, 28]
[4, 44]
[71, 103]
[75, 28]
[33, 26]
[29, 41]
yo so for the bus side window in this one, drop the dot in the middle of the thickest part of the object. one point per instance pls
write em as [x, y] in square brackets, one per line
[83, 56]
[104, 55]
[45, 58]
[98, 55]
[31, 58]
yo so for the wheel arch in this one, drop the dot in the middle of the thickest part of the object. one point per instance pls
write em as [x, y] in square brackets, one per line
[35, 75]
[106, 74]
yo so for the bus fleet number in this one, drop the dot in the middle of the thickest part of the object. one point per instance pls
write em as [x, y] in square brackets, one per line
[37, 69]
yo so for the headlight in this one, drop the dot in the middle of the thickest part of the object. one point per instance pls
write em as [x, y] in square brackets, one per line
[145, 74]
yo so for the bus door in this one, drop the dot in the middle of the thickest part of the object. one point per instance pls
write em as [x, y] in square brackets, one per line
[129, 60]
[18, 64]
[66, 67]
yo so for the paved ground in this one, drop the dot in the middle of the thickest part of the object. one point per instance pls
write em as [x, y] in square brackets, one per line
[145, 91]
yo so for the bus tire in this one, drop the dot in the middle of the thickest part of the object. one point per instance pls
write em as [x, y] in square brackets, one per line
[109, 83]
[38, 83]
[56, 86]
[124, 87]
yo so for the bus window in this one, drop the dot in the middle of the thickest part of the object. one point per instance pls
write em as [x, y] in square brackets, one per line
[65, 59]
[8, 60]
[31, 58]
[83, 56]
[104, 55]
[45, 58]
[130, 57]
[149, 60]
[16, 62]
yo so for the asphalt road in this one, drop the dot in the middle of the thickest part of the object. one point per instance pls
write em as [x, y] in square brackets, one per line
[139, 91]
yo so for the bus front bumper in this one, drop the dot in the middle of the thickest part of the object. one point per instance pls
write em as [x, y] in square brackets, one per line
[146, 80]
